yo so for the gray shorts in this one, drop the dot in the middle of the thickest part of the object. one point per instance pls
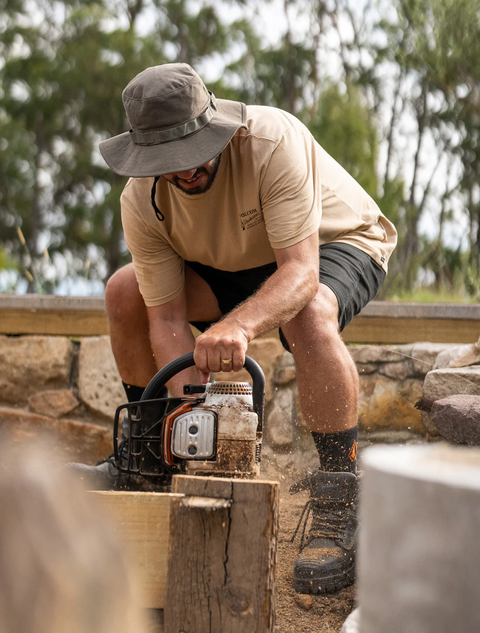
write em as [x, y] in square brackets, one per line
[352, 275]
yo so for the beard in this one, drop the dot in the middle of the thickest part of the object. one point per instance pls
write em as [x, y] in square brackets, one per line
[209, 171]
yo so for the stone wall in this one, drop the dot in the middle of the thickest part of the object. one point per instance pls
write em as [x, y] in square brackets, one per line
[70, 389]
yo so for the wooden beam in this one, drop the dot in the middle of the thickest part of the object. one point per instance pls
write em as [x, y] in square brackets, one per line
[222, 556]
[387, 330]
[141, 522]
[51, 315]
[379, 322]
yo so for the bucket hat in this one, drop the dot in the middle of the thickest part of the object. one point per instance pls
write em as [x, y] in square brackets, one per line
[176, 124]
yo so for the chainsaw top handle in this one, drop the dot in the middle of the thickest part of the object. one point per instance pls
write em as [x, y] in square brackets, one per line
[155, 386]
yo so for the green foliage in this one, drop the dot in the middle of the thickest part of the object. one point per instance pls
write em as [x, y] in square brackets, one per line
[6, 263]
[389, 89]
[344, 127]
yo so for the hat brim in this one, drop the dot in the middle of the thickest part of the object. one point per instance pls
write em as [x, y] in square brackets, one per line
[126, 158]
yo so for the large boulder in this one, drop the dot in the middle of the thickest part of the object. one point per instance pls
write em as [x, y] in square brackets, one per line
[53, 402]
[33, 363]
[379, 353]
[441, 383]
[457, 419]
[280, 421]
[385, 403]
[99, 383]
[450, 355]
[424, 356]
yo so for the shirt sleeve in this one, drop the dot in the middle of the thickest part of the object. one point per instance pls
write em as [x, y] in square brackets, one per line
[290, 190]
[158, 268]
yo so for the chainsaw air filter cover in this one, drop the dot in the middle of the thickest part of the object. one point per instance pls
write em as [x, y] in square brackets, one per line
[193, 434]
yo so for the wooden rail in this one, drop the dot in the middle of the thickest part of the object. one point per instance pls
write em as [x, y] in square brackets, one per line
[380, 322]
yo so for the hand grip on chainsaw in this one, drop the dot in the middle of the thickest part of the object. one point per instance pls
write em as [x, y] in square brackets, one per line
[154, 387]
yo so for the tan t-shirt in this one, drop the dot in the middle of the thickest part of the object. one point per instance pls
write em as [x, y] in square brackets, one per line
[275, 186]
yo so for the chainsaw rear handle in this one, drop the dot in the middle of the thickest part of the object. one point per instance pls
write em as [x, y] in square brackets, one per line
[155, 386]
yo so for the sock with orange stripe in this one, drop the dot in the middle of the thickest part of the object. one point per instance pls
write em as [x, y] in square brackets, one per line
[337, 451]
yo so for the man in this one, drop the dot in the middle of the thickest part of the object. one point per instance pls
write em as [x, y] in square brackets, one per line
[239, 222]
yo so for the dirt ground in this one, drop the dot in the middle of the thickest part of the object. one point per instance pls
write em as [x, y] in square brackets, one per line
[298, 613]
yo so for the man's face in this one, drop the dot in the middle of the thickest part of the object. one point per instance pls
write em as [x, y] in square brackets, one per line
[196, 180]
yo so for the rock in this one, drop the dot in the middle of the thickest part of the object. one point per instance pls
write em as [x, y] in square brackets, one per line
[449, 357]
[291, 465]
[284, 375]
[304, 601]
[396, 371]
[385, 403]
[285, 400]
[441, 383]
[471, 357]
[424, 356]
[99, 383]
[30, 363]
[457, 419]
[366, 368]
[379, 353]
[53, 403]
[267, 352]
[60, 440]
[279, 426]
[286, 360]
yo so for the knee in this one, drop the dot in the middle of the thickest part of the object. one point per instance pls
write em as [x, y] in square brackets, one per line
[122, 294]
[319, 316]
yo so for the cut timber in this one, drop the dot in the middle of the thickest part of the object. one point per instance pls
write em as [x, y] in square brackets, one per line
[221, 567]
[141, 522]
[419, 547]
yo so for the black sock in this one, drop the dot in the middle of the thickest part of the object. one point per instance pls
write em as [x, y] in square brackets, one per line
[337, 451]
[133, 392]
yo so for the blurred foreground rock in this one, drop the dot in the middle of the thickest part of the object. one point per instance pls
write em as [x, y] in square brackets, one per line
[59, 440]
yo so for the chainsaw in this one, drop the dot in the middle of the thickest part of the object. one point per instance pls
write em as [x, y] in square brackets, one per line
[214, 429]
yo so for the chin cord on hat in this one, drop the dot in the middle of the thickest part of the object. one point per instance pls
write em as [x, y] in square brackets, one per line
[158, 213]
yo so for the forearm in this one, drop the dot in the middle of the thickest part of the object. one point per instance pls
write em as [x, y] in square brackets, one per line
[281, 297]
[171, 339]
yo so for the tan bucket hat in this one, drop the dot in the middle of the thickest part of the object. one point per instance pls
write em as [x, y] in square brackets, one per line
[176, 124]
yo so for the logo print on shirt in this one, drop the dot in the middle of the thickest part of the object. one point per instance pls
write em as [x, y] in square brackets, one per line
[249, 219]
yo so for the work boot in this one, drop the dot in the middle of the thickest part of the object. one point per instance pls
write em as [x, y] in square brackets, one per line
[106, 476]
[327, 559]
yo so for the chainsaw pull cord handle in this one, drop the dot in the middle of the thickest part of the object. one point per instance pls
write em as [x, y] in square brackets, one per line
[158, 382]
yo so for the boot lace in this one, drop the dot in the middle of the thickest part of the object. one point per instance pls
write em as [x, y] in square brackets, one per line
[328, 521]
